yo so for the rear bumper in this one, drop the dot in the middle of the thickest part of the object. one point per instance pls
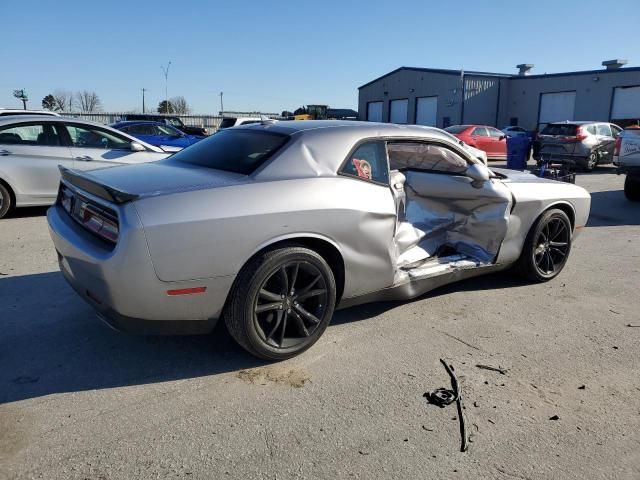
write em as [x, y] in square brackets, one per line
[121, 285]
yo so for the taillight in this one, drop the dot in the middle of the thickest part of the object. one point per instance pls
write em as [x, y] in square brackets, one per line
[99, 222]
[616, 150]
[580, 134]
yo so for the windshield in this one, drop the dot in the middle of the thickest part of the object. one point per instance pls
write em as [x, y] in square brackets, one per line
[456, 129]
[169, 130]
[238, 151]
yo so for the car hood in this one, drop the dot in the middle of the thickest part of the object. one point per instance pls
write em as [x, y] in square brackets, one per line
[163, 177]
[517, 176]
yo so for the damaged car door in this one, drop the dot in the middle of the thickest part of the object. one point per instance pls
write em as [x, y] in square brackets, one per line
[447, 216]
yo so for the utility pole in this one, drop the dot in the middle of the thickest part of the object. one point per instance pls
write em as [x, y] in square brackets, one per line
[166, 81]
[221, 104]
[143, 90]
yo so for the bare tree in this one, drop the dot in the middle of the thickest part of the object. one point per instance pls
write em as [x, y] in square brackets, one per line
[88, 102]
[180, 105]
[63, 100]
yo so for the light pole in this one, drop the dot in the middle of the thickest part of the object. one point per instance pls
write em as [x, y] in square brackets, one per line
[166, 81]
[21, 95]
[143, 90]
[221, 105]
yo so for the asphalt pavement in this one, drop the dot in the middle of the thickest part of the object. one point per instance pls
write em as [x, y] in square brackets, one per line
[81, 401]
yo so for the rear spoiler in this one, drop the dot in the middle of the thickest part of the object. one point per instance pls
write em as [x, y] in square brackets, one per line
[91, 186]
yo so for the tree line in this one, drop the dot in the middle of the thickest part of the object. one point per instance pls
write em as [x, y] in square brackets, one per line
[89, 102]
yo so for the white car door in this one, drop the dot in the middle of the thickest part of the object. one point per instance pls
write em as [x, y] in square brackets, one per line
[93, 147]
[30, 153]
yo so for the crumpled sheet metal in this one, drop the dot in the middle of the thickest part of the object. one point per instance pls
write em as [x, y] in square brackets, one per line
[448, 212]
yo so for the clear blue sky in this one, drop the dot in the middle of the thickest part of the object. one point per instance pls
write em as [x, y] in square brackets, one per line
[275, 55]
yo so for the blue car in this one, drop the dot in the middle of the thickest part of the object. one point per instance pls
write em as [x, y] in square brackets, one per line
[157, 133]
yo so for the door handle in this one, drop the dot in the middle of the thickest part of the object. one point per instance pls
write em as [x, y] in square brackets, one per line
[84, 159]
[4, 153]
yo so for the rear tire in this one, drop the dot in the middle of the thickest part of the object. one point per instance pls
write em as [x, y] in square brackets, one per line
[632, 188]
[591, 162]
[281, 303]
[546, 248]
[6, 201]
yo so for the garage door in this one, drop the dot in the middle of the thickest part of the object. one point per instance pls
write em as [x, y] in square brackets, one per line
[426, 111]
[626, 104]
[374, 111]
[556, 107]
[399, 111]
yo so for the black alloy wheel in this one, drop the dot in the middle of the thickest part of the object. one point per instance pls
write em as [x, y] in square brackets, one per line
[5, 201]
[592, 161]
[547, 247]
[281, 303]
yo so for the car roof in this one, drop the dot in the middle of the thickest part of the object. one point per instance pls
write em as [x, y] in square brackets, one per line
[17, 111]
[137, 122]
[292, 127]
[577, 122]
[49, 118]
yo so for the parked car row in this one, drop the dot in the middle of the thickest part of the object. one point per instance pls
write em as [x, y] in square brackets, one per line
[33, 146]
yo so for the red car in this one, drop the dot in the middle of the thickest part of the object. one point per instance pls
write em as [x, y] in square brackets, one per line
[489, 139]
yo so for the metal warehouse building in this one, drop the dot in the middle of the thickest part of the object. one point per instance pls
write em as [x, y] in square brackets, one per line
[436, 97]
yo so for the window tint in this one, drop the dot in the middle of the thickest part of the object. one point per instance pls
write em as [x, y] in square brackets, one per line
[93, 137]
[176, 122]
[494, 132]
[455, 129]
[141, 130]
[479, 132]
[560, 129]
[604, 129]
[368, 162]
[32, 134]
[425, 156]
[615, 130]
[239, 151]
[166, 130]
[227, 122]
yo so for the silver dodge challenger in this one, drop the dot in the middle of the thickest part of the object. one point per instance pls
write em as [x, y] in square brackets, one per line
[272, 226]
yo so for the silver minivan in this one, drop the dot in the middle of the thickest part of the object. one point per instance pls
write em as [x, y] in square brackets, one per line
[587, 143]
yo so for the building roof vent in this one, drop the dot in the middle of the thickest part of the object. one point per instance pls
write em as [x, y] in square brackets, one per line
[524, 68]
[614, 64]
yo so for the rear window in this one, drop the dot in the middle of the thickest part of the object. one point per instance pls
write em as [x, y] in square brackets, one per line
[560, 129]
[227, 123]
[238, 151]
[456, 129]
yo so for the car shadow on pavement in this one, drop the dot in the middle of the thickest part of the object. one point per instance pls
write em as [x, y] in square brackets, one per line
[610, 208]
[493, 281]
[52, 342]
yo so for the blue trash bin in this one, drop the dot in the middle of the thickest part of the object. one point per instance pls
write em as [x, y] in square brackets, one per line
[517, 152]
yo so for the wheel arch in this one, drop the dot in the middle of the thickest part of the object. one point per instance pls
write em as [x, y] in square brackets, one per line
[566, 208]
[325, 247]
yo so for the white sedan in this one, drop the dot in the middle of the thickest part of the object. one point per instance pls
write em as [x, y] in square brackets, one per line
[32, 147]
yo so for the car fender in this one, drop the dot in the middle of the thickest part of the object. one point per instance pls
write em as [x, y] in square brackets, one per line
[295, 236]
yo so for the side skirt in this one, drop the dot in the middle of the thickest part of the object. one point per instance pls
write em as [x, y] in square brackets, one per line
[415, 288]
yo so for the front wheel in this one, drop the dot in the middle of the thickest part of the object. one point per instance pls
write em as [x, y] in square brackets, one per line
[632, 188]
[281, 303]
[546, 248]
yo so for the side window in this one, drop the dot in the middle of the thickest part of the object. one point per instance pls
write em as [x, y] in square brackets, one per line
[615, 130]
[34, 135]
[424, 156]
[603, 129]
[591, 129]
[495, 133]
[93, 137]
[368, 162]
[479, 132]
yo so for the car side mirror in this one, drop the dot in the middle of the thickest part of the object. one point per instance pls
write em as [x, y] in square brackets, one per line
[137, 147]
[502, 137]
[478, 173]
